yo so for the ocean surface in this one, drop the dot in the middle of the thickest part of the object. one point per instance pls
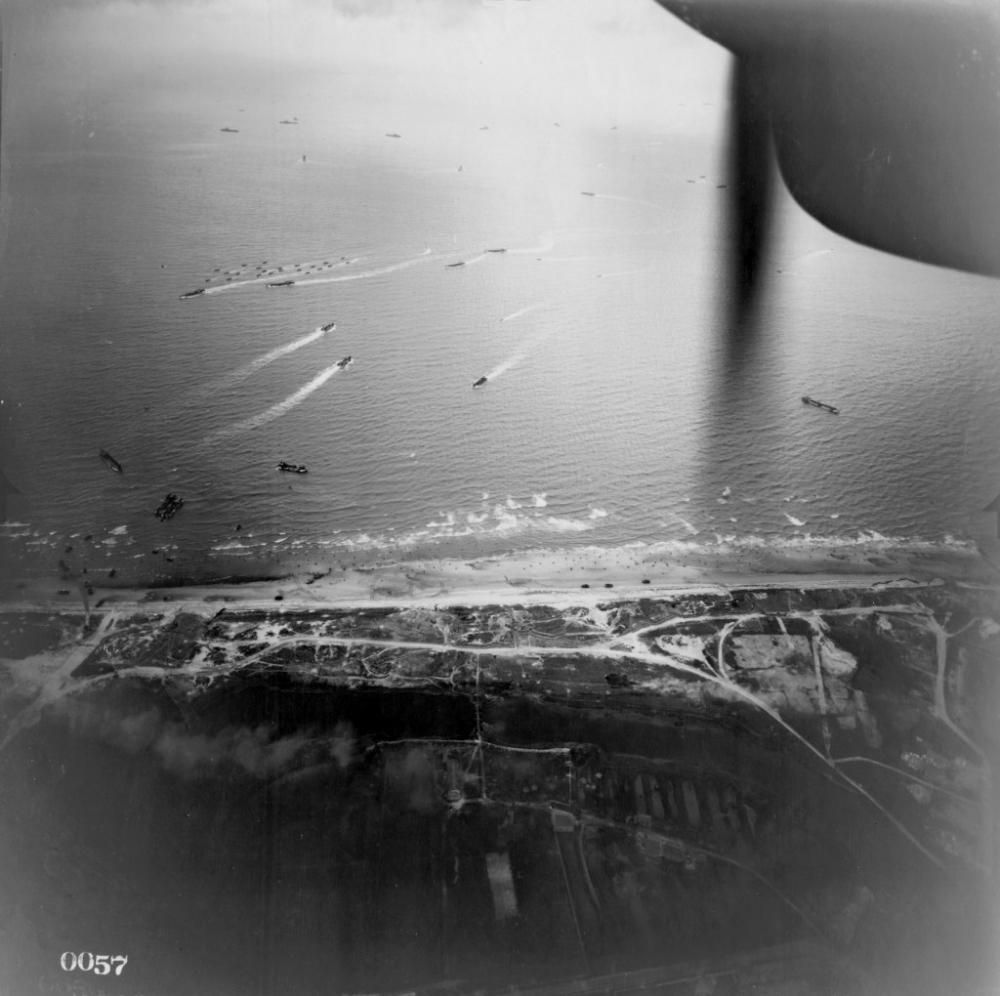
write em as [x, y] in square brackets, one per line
[613, 412]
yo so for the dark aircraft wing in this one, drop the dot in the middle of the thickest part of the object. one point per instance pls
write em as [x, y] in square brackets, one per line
[884, 116]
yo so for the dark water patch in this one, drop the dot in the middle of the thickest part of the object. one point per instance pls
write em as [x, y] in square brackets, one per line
[24, 634]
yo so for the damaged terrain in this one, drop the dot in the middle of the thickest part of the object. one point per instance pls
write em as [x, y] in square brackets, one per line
[751, 790]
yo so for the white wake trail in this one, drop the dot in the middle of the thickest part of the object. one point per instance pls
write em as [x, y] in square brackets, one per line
[546, 245]
[276, 411]
[631, 200]
[365, 274]
[526, 349]
[248, 370]
[523, 311]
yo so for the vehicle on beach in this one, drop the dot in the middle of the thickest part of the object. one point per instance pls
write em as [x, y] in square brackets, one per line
[293, 468]
[480, 382]
[169, 507]
[344, 363]
[194, 293]
[280, 283]
[112, 462]
[806, 400]
[329, 327]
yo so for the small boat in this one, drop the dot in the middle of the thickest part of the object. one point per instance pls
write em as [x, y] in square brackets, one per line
[194, 293]
[233, 131]
[281, 283]
[806, 400]
[169, 507]
[460, 263]
[293, 468]
[496, 250]
[344, 363]
[588, 193]
[289, 121]
[480, 382]
[392, 134]
[112, 462]
[329, 327]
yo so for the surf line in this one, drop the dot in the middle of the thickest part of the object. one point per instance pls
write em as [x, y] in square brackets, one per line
[364, 275]
[240, 374]
[277, 410]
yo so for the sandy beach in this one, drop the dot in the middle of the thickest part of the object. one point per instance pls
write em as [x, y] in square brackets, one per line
[559, 576]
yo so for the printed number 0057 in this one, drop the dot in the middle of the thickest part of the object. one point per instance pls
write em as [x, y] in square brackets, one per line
[87, 962]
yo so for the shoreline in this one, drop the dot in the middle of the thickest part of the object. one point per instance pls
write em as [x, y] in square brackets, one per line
[558, 576]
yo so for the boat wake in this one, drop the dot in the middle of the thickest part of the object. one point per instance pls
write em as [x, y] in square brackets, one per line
[277, 410]
[523, 311]
[366, 274]
[240, 374]
[630, 200]
[522, 354]
[546, 245]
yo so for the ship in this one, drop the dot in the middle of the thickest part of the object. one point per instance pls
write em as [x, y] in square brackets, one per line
[806, 400]
[344, 363]
[194, 293]
[329, 327]
[112, 462]
[281, 283]
[293, 468]
[480, 382]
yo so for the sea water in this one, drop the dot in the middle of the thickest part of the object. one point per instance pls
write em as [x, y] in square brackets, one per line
[615, 409]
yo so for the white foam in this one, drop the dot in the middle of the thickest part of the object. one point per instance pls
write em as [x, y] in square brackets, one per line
[545, 245]
[597, 513]
[539, 500]
[366, 274]
[281, 408]
[242, 373]
[119, 531]
[793, 520]
[523, 311]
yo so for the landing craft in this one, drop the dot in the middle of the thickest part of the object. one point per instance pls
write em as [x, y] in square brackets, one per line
[194, 293]
[112, 462]
[479, 383]
[806, 400]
